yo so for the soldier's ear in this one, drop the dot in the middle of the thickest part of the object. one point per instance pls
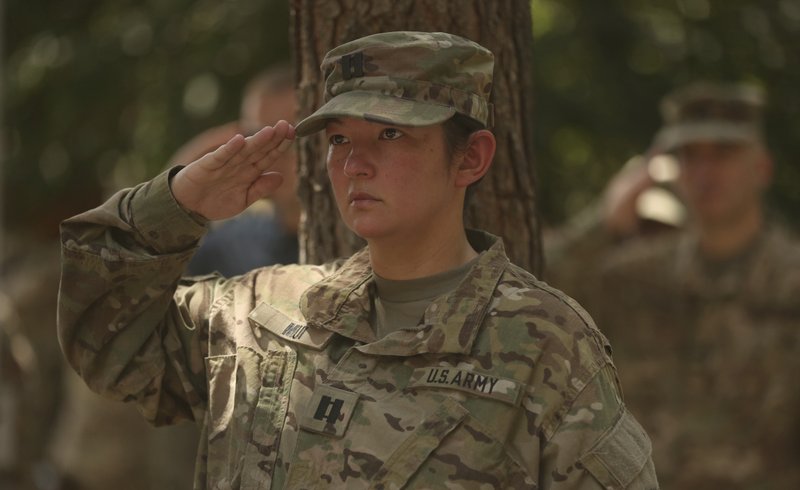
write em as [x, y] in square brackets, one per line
[477, 158]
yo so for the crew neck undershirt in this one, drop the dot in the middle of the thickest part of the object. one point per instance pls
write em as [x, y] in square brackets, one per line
[401, 304]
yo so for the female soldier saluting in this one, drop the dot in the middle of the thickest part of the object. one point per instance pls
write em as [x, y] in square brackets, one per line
[426, 360]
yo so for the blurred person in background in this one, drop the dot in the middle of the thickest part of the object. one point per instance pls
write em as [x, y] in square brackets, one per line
[101, 444]
[30, 365]
[639, 201]
[705, 323]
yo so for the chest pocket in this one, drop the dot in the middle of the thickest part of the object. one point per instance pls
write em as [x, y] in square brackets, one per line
[446, 447]
[468, 456]
[248, 398]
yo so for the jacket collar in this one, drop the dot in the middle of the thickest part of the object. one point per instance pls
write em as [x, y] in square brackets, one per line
[748, 277]
[341, 303]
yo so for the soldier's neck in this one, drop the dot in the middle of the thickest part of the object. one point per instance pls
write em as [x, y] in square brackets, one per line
[723, 241]
[420, 257]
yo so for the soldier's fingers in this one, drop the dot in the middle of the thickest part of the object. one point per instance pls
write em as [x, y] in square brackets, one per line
[225, 153]
[284, 130]
[252, 144]
[266, 139]
[257, 145]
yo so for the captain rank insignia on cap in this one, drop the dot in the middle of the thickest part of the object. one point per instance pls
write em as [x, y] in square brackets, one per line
[330, 411]
[352, 65]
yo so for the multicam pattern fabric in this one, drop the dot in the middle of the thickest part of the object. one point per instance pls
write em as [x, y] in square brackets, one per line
[709, 357]
[406, 78]
[263, 361]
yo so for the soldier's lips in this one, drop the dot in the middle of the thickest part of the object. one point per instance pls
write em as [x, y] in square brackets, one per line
[362, 199]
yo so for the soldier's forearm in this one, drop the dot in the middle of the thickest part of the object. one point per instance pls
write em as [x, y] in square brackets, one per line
[120, 266]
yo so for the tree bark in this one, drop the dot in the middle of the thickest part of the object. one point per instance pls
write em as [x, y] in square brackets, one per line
[503, 203]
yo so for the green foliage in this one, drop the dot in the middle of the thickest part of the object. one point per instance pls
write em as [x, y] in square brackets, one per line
[98, 95]
[602, 67]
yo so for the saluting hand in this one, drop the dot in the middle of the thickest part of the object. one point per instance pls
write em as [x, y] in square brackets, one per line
[223, 183]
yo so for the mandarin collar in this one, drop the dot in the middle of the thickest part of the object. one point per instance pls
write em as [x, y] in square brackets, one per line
[749, 278]
[341, 303]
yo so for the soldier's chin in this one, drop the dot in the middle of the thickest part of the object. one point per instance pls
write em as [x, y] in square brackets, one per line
[716, 215]
[367, 229]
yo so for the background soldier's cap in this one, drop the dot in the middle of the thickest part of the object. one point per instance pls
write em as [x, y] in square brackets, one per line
[705, 111]
[405, 78]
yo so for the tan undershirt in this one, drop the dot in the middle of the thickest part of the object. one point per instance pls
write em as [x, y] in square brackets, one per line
[401, 304]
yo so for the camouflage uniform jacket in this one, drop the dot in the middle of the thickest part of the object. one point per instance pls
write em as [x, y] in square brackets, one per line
[709, 357]
[505, 383]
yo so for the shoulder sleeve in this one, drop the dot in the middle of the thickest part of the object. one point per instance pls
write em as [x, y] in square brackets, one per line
[598, 444]
[124, 322]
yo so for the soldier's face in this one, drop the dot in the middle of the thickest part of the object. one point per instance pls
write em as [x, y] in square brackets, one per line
[391, 182]
[722, 181]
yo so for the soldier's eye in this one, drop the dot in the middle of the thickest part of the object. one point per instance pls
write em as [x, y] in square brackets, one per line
[391, 134]
[337, 139]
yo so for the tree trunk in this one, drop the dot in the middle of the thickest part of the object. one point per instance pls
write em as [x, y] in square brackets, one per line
[503, 203]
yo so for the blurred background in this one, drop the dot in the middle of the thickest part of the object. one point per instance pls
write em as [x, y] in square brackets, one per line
[98, 95]
[601, 68]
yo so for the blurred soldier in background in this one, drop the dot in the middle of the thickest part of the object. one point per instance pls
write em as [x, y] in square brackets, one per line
[31, 368]
[706, 323]
[639, 201]
[102, 444]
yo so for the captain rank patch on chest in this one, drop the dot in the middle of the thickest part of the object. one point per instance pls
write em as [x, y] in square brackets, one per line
[467, 380]
[330, 411]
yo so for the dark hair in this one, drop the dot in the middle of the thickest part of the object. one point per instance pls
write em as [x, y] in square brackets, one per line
[457, 131]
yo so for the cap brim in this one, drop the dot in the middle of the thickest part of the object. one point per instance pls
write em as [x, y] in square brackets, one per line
[375, 107]
[671, 138]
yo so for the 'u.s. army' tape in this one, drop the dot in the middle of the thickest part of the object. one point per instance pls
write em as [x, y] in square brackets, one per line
[468, 380]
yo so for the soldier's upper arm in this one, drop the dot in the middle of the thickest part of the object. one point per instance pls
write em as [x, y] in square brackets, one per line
[622, 457]
[599, 444]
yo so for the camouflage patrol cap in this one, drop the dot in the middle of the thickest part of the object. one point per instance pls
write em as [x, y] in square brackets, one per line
[405, 78]
[706, 111]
